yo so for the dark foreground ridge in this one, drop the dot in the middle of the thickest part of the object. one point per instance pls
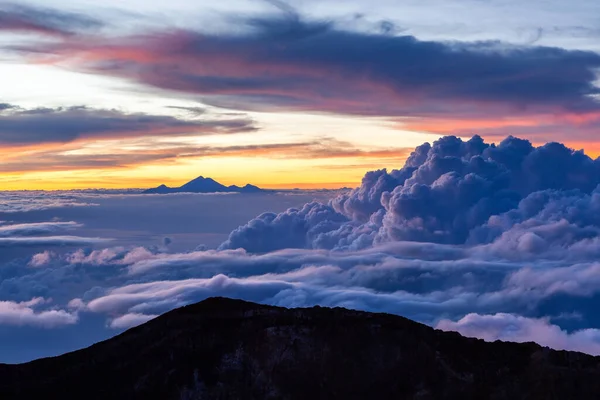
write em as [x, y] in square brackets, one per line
[204, 185]
[231, 349]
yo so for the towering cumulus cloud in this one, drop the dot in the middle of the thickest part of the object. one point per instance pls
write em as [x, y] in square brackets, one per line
[451, 192]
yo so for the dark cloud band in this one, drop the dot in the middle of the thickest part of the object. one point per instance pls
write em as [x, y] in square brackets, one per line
[60, 125]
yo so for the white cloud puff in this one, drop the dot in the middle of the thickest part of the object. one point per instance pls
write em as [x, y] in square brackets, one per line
[26, 314]
[514, 328]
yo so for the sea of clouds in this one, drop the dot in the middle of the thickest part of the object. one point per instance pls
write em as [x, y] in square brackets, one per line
[493, 241]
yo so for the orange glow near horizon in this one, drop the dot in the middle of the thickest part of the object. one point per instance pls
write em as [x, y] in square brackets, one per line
[81, 183]
[274, 171]
[289, 151]
[592, 150]
[263, 172]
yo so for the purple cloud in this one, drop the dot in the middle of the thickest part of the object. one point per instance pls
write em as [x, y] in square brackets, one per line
[44, 21]
[452, 192]
[60, 125]
[36, 228]
[25, 313]
[130, 320]
[286, 62]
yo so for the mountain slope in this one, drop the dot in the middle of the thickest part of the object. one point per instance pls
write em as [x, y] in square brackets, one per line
[203, 185]
[230, 349]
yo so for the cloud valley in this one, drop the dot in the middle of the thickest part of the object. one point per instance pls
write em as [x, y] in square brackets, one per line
[494, 241]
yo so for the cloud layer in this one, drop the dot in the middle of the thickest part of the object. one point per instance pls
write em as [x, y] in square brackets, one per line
[24, 313]
[288, 62]
[513, 328]
[43, 21]
[495, 241]
[20, 126]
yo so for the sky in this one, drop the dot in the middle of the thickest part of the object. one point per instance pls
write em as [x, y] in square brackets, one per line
[119, 94]
[445, 155]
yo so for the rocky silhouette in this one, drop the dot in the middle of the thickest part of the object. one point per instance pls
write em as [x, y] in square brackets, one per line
[231, 349]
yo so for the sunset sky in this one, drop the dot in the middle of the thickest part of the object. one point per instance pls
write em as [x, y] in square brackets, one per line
[450, 131]
[309, 93]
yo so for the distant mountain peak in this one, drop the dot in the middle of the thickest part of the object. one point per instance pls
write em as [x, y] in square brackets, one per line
[202, 179]
[203, 184]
